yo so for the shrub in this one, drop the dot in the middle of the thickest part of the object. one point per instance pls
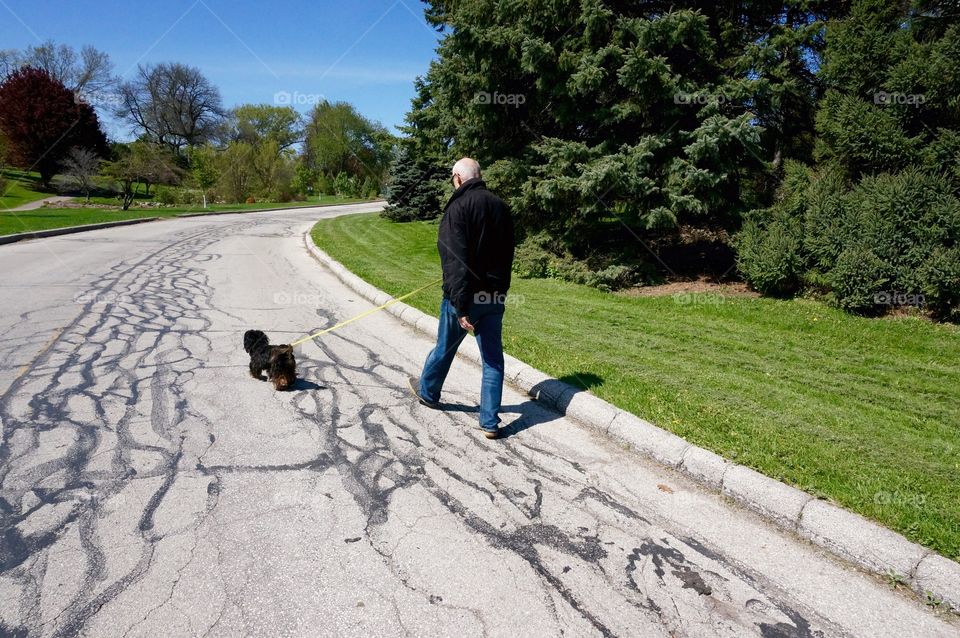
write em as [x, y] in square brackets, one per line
[189, 197]
[343, 185]
[614, 277]
[859, 280]
[165, 195]
[531, 260]
[250, 200]
[940, 283]
[862, 137]
[824, 218]
[905, 220]
[537, 257]
[891, 234]
[769, 255]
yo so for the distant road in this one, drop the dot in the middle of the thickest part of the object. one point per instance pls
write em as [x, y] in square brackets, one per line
[37, 203]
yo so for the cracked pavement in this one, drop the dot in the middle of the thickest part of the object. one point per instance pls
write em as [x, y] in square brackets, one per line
[149, 486]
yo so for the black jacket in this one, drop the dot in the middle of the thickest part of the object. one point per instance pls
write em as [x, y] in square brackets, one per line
[476, 245]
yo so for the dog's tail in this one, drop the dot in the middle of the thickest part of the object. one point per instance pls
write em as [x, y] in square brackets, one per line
[254, 339]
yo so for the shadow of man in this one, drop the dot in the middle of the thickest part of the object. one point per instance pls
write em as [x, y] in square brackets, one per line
[558, 392]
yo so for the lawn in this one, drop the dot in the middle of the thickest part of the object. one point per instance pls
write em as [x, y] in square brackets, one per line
[20, 188]
[46, 218]
[864, 412]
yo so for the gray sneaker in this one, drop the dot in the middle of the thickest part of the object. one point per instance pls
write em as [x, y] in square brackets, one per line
[414, 383]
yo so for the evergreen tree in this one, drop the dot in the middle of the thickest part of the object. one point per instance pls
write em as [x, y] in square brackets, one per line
[876, 218]
[414, 190]
[589, 116]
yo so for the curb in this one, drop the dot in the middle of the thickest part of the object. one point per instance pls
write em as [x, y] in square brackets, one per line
[845, 534]
[69, 230]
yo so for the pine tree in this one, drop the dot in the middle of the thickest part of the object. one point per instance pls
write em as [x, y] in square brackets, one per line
[876, 216]
[414, 189]
[589, 116]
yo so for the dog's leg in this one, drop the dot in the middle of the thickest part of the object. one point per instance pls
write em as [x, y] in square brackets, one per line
[256, 371]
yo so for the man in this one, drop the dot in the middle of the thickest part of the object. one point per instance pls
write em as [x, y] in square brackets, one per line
[476, 252]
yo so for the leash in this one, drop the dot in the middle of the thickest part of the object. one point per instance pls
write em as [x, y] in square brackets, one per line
[365, 313]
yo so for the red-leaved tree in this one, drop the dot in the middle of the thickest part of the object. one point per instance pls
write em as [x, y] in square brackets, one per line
[43, 120]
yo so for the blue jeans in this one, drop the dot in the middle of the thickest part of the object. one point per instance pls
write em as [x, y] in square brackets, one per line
[487, 319]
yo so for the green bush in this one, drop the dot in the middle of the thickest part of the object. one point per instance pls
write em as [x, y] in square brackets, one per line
[165, 195]
[860, 281]
[343, 185]
[769, 255]
[824, 218]
[940, 282]
[890, 237]
[536, 257]
[531, 259]
[864, 138]
[614, 277]
[189, 197]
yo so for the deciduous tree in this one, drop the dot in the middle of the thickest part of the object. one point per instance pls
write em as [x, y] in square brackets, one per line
[42, 121]
[80, 165]
[172, 104]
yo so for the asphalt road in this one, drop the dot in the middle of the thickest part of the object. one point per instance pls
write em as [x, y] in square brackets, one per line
[150, 487]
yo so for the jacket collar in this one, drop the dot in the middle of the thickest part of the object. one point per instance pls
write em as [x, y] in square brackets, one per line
[469, 185]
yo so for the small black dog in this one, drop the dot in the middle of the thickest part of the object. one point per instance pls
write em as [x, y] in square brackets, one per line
[278, 361]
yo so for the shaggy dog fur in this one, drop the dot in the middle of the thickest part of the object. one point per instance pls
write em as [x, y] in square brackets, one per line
[278, 361]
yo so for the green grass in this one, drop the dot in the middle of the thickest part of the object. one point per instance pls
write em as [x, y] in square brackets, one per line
[21, 188]
[47, 218]
[862, 411]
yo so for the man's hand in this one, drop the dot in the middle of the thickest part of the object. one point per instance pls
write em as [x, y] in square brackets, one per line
[465, 323]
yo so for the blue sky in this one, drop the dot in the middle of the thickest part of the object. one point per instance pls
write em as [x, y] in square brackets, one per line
[366, 52]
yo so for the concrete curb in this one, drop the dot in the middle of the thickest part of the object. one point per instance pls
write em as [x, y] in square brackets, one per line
[69, 230]
[848, 536]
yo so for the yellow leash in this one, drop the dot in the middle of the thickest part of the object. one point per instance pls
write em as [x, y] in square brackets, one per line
[365, 313]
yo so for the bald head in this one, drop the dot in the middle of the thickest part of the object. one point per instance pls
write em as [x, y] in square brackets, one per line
[466, 168]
